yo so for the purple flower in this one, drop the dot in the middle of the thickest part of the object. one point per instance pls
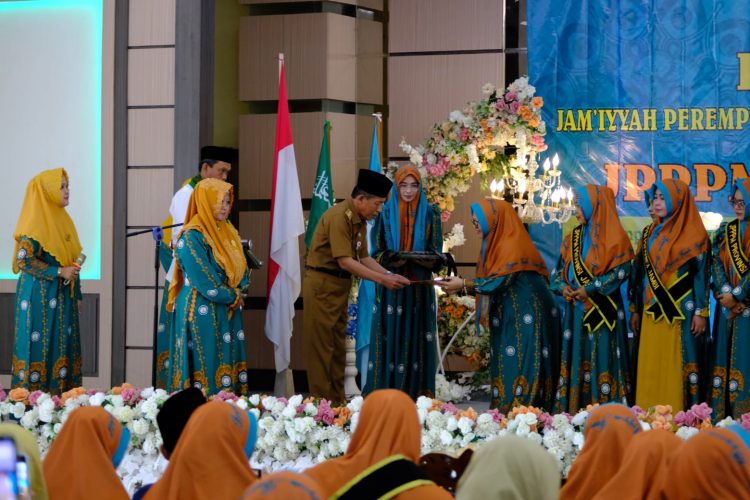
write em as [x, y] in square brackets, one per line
[34, 397]
[511, 96]
[325, 412]
[130, 395]
[637, 411]
[684, 419]
[702, 411]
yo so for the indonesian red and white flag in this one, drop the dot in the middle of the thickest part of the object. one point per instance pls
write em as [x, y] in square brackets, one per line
[287, 224]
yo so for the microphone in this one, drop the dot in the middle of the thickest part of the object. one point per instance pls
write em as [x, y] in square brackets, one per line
[79, 260]
[252, 260]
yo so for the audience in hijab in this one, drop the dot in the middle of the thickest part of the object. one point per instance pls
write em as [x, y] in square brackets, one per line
[609, 430]
[715, 463]
[385, 445]
[644, 467]
[82, 460]
[211, 459]
[287, 485]
[172, 419]
[510, 468]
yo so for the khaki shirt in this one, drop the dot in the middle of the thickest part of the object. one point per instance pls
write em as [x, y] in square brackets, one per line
[340, 233]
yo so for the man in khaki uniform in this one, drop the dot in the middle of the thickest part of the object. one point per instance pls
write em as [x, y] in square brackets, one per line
[339, 250]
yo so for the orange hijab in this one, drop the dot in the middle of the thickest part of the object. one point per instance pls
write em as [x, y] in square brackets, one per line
[715, 463]
[211, 457]
[609, 244]
[286, 485]
[79, 463]
[742, 185]
[222, 237]
[609, 430]
[644, 468]
[506, 245]
[407, 212]
[388, 425]
[681, 235]
[44, 219]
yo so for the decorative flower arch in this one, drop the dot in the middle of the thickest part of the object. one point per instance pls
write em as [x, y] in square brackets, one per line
[504, 130]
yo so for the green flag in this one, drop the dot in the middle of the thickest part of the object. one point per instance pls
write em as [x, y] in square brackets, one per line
[322, 196]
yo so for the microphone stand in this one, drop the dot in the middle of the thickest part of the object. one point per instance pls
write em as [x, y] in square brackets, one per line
[157, 233]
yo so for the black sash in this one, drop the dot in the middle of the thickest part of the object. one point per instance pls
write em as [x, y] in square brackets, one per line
[666, 299]
[604, 309]
[385, 479]
[736, 253]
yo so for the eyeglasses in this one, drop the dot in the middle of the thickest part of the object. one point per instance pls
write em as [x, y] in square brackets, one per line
[736, 203]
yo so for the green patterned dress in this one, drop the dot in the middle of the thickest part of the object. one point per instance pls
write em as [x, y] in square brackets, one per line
[165, 321]
[202, 334]
[47, 351]
[524, 336]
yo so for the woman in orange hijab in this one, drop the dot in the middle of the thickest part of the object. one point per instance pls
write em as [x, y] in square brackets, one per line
[730, 356]
[82, 461]
[285, 484]
[676, 305]
[47, 351]
[514, 298]
[644, 468]
[402, 353]
[595, 261]
[212, 456]
[715, 463]
[207, 342]
[382, 456]
[609, 430]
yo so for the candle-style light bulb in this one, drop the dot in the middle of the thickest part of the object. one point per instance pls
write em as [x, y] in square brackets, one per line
[493, 186]
[545, 165]
[555, 161]
[501, 186]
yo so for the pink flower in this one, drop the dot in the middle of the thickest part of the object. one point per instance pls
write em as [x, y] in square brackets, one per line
[511, 96]
[745, 421]
[130, 395]
[546, 419]
[684, 419]
[501, 105]
[34, 396]
[325, 412]
[464, 134]
[3, 395]
[514, 107]
[638, 412]
[56, 400]
[702, 411]
[445, 215]
[224, 396]
[450, 408]
[497, 417]
[537, 140]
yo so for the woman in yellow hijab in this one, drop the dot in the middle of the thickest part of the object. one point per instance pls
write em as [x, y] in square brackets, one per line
[47, 352]
[207, 343]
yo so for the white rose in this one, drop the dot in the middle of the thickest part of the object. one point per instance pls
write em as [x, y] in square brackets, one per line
[289, 412]
[124, 414]
[150, 409]
[46, 410]
[451, 424]
[268, 402]
[578, 440]
[18, 410]
[580, 418]
[295, 400]
[97, 399]
[446, 438]
[465, 425]
[141, 427]
[725, 422]
[30, 419]
[241, 404]
[424, 402]
[254, 400]
[56, 429]
[686, 432]
[355, 404]
[148, 446]
[311, 409]
[147, 392]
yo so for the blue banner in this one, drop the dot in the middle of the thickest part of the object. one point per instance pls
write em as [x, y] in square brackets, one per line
[640, 90]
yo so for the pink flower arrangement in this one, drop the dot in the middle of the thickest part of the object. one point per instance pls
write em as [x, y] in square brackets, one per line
[698, 416]
[325, 412]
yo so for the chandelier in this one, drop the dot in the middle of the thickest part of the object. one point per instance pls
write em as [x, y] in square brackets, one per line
[536, 199]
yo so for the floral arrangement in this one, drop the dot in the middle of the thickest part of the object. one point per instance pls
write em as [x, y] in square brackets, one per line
[474, 141]
[454, 238]
[453, 310]
[297, 433]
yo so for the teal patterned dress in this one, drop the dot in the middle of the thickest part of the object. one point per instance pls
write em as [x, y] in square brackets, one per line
[594, 365]
[202, 335]
[524, 331]
[47, 351]
[730, 354]
[165, 321]
[403, 349]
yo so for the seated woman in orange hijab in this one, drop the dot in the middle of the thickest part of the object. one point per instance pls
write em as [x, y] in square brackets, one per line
[47, 351]
[212, 456]
[382, 456]
[82, 461]
[207, 342]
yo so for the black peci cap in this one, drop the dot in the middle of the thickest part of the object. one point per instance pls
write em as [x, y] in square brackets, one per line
[218, 153]
[373, 183]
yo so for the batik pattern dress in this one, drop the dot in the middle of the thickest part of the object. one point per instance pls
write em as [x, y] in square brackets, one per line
[730, 356]
[403, 349]
[165, 321]
[204, 336]
[47, 351]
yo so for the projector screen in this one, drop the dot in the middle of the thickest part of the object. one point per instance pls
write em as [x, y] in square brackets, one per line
[50, 113]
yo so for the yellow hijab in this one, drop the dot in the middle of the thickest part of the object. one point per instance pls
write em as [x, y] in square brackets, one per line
[26, 445]
[44, 219]
[222, 237]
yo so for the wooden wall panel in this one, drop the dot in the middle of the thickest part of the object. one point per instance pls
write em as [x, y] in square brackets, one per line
[152, 22]
[151, 137]
[442, 25]
[149, 196]
[370, 61]
[257, 135]
[138, 367]
[260, 349]
[140, 326]
[341, 68]
[302, 39]
[151, 77]
[141, 261]
[369, 4]
[423, 90]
